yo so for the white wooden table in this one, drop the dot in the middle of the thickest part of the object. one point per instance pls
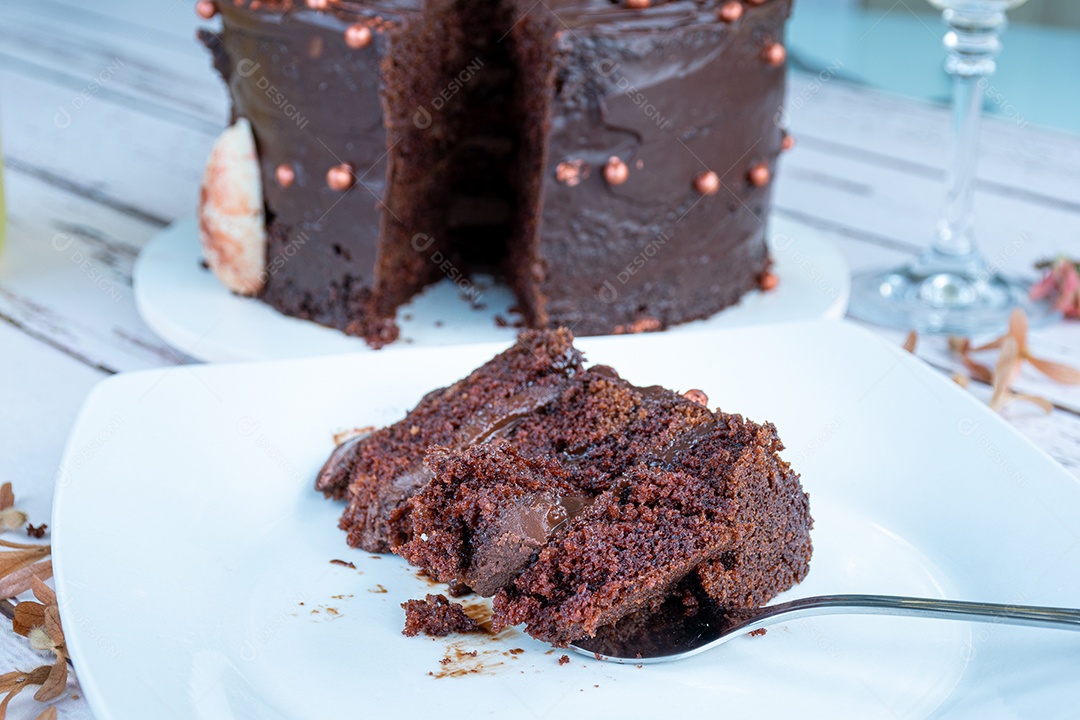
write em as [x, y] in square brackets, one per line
[109, 110]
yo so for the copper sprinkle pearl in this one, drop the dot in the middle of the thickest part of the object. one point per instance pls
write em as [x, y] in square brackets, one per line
[340, 177]
[774, 54]
[730, 11]
[759, 174]
[284, 174]
[707, 182]
[357, 36]
[616, 172]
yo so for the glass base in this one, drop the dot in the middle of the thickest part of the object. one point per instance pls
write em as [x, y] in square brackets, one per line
[943, 296]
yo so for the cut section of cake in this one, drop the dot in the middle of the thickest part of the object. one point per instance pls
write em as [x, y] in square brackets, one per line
[590, 501]
[379, 471]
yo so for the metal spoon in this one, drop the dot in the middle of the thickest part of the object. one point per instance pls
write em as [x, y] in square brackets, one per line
[665, 641]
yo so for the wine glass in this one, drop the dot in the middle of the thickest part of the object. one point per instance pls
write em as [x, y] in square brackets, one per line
[951, 288]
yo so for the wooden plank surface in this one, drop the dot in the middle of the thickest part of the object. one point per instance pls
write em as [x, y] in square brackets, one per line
[109, 109]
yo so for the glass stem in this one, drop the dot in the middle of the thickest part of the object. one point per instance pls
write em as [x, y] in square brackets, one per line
[973, 44]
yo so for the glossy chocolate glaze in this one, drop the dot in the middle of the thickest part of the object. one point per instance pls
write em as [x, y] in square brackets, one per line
[670, 90]
[693, 97]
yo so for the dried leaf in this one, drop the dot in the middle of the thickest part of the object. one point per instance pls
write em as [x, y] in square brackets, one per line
[21, 546]
[48, 713]
[1007, 365]
[7, 698]
[7, 496]
[37, 676]
[911, 341]
[992, 345]
[1018, 327]
[54, 629]
[959, 344]
[56, 681]
[16, 560]
[12, 519]
[43, 592]
[9, 681]
[28, 615]
[20, 581]
[1057, 372]
[1042, 402]
[978, 371]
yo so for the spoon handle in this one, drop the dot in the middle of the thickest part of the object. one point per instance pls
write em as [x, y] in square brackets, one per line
[1030, 615]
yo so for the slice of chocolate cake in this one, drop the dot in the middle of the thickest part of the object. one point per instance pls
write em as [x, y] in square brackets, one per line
[377, 472]
[594, 500]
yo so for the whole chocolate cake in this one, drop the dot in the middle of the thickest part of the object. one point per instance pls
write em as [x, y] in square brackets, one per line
[575, 498]
[610, 160]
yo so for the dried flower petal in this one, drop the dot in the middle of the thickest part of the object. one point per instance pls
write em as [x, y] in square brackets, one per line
[20, 581]
[10, 680]
[28, 615]
[959, 344]
[20, 682]
[20, 546]
[911, 341]
[1057, 372]
[1007, 365]
[54, 629]
[961, 379]
[13, 561]
[1042, 402]
[43, 592]
[7, 496]
[12, 519]
[48, 713]
[56, 681]
[978, 371]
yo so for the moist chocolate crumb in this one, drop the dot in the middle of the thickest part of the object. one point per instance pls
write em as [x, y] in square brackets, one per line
[36, 532]
[564, 660]
[757, 633]
[342, 563]
[436, 616]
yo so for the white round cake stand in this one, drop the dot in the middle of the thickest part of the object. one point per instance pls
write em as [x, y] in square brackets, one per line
[188, 308]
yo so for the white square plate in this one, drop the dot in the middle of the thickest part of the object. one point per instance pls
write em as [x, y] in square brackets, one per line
[193, 557]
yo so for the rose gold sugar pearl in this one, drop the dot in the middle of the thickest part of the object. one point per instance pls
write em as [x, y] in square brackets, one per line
[759, 174]
[340, 177]
[707, 182]
[774, 54]
[284, 174]
[357, 36]
[729, 12]
[616, 171]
